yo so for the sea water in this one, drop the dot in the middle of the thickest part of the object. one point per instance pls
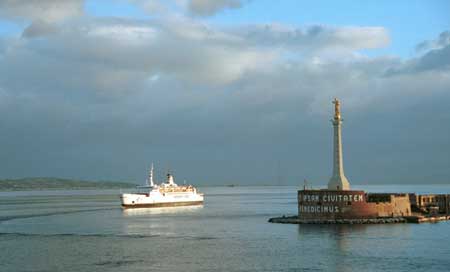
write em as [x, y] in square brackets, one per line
[88, 231]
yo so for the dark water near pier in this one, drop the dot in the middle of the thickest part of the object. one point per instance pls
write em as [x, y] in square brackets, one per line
[87, 231]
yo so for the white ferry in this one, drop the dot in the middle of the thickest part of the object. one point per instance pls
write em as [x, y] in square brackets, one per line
[166, 194]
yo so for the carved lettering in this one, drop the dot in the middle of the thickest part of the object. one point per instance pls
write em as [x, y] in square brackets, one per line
[327, 198]
[319, 209]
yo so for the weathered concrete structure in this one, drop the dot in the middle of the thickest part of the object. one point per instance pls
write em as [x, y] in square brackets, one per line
[426, 203]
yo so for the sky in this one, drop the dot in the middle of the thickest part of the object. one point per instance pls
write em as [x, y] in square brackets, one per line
[225, 91]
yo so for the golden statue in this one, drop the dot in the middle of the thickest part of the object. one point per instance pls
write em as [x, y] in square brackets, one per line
[337, 110]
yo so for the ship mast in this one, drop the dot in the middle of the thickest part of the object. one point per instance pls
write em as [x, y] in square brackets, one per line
[150, 177]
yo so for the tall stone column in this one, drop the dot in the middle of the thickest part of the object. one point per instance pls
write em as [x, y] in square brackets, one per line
[338, 180]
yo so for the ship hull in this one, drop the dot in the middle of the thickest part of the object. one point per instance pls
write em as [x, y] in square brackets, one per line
[162, 204]
[155, 199]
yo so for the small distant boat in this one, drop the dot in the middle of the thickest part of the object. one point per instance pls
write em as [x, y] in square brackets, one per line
[166, 194]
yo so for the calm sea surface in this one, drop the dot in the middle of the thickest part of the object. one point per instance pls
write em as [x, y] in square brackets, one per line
[88, 231]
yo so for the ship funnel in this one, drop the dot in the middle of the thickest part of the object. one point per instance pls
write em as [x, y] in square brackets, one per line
[170, 179]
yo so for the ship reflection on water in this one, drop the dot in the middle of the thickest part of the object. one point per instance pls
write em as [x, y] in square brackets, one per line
[161, 222]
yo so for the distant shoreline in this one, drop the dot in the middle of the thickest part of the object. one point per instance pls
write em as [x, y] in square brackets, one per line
[42, 184]
[52, 184]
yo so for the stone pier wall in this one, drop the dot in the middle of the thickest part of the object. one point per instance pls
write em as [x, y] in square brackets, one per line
[350, 204]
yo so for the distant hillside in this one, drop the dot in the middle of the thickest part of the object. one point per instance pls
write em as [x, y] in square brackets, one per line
[27, 184]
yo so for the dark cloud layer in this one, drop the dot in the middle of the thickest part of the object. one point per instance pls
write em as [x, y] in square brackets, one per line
[102, 98]
[442, 41]
[211, 7]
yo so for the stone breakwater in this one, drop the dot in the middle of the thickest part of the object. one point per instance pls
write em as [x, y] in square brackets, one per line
[297, 220]
[386, 220]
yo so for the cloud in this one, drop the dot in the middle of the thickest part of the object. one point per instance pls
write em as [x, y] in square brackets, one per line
[121, 55]
[99, 98]
[39, 28]
[41, 10]
[211, 7]
[195, 8]
[435, 59]
[315, 38]
[436, 56]
[158, 7]
[442, 41]
[43, 15]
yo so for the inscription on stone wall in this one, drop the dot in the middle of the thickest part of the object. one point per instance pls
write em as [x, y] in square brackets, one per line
[318, 209]
[331, 198]
[326, 203]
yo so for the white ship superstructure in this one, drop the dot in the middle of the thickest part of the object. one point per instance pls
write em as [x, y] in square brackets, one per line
[165, 194]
